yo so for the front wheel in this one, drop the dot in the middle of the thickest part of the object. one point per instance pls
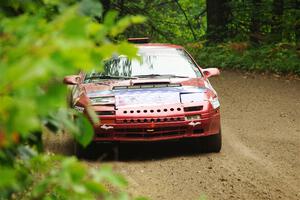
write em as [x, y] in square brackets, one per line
[89, 152]
[212, 143]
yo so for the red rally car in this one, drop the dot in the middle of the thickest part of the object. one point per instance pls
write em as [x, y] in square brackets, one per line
[164, 95]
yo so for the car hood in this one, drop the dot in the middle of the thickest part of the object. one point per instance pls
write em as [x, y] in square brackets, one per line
[129, 93]
[152, 97]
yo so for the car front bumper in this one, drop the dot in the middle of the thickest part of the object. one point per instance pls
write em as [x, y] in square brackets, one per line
[164, 129]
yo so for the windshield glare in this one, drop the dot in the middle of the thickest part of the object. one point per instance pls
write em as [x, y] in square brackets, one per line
[153, 61]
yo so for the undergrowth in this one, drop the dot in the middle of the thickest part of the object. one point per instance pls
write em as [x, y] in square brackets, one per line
[283, 58]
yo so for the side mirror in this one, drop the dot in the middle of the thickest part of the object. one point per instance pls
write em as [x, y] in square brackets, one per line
[72, 80]
[211, 72]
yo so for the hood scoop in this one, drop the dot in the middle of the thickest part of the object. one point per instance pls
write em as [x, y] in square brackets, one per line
[152, 83]
[147, 85]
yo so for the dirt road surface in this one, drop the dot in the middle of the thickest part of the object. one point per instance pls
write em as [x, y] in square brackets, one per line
[260, 158]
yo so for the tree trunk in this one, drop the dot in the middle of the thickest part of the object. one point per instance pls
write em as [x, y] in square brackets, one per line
[106, 6]
[217, 20]
[276, 28]
[297, 24]
[121, 5]
[255, 33]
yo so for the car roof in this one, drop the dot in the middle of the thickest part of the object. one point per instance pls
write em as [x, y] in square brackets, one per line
[160, 45]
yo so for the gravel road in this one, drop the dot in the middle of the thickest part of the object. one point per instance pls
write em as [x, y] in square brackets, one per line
[260, 158]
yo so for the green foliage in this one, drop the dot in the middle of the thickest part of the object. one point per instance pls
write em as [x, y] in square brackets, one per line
[279, 58]
[41, 42]
[166, 22]
[85, 133]
[56, 177]
[36, 53]
[267, 24]
[241, 19]
[91, 8]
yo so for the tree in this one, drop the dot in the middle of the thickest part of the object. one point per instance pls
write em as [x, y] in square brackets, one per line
[276, 27]
[297, 22]
[255, 35]
[187, 20]
[106, 6]
[217, 20]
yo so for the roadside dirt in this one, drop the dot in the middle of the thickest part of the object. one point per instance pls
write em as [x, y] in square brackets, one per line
[260, 158]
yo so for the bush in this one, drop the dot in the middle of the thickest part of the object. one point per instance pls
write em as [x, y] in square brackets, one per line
[278, 58]
[42, 41]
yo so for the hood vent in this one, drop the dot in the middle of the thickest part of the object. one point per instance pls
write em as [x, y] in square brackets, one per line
[147, 85]
[152, 83]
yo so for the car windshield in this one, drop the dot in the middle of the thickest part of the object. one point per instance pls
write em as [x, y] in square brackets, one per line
[153, 62]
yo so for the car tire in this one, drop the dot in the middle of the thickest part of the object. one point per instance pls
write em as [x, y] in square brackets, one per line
[212, 143]
[89, 152]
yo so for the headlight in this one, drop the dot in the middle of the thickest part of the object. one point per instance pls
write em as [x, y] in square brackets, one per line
[79, 108]
[102, 100]
[191, 97]
[214, 102]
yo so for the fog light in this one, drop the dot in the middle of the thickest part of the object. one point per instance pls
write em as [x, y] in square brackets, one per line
[107, 121]
[192, 117]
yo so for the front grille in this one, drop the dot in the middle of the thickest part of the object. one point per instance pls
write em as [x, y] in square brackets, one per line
[197, 131]
[144, 132]
[150, 120]
[132, 135]
[153, 130]
[193, 108]
[145, 111]
[105, 112]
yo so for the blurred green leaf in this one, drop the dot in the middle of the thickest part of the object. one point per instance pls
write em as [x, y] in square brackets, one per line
[141, 198]
[91, 8]
[95, 187]
[8, 177]
[40, 188]
[124, 23]
[93, 116]
[41, 42]
[128, 49]
[85, 132]
[74, 28]
[110, 18]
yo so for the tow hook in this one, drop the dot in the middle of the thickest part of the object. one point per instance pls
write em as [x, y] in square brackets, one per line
[106, 127]
[192, 123]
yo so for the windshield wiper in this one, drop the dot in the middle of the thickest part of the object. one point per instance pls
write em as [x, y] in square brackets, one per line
[109, 77]
[147, 75]
[176, 76]
[160, 75]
